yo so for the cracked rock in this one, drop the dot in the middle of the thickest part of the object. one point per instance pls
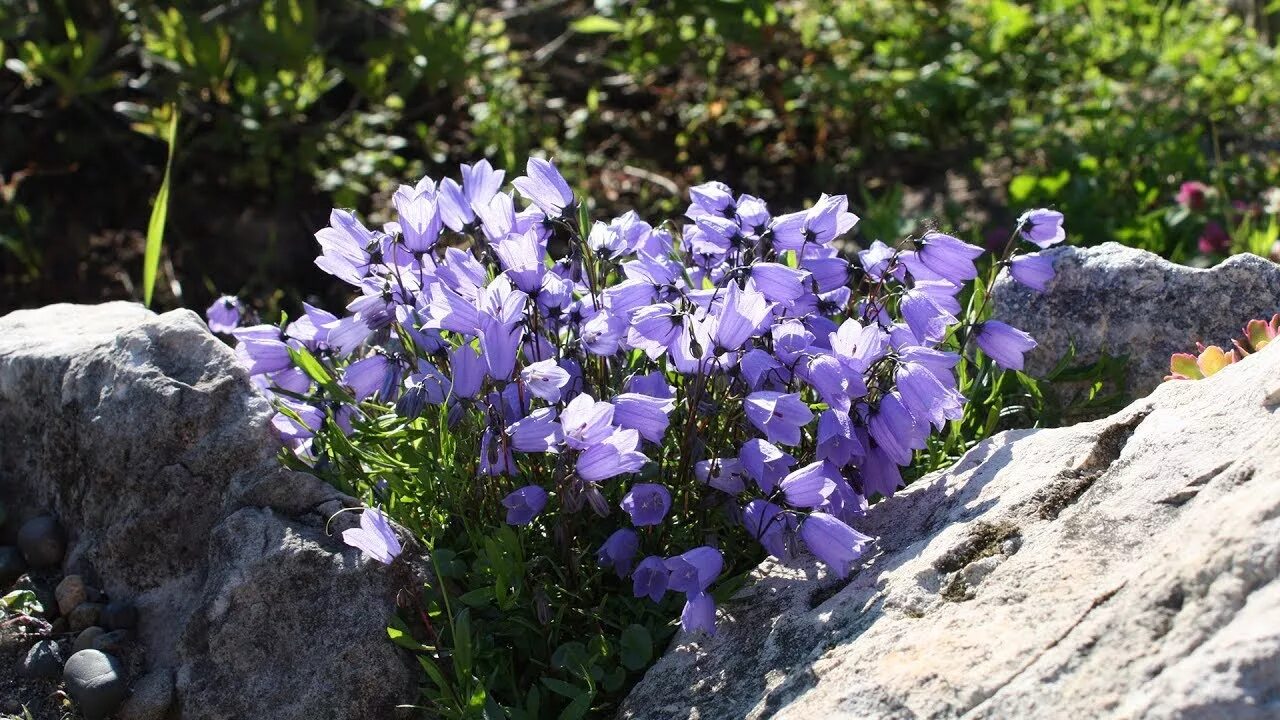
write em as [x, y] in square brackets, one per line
[1046, 575]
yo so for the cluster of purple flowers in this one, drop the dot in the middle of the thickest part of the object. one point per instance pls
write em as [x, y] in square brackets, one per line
[576, 349]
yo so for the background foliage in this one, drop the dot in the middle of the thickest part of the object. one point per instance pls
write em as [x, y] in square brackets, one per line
[954, 108]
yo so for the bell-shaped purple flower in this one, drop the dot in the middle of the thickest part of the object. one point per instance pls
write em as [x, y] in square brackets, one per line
[770, 525]
[468, 371]
[644, 414]
[779, 416]
[836, 440]
[765, 463]
[740, 316]
[619, 551]
[374, 537]
[545, 379]
[650, 578]
[927, 321]
[586, 422]
[262, 349]
[880, 473]
[224, 314]
[545, 187]
[615, 455]
[833, 542]
[779, 283]
[537, 433]
[1042, 227]
[695, 570]
[646, 503]
[949, 257]
[699, 613]
[895, 430]
[1034, 270]
[722, 474]
[1003, 343]
[809, 486]
[525, 504]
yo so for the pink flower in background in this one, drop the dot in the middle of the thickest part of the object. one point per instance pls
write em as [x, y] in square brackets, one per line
[1214, 239]
[1192, 195]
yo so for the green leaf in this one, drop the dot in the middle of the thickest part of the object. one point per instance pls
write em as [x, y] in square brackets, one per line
[637, 647]
[593, 24]
[159, 213]
[561, 687]
[462, 643]
[399, 634]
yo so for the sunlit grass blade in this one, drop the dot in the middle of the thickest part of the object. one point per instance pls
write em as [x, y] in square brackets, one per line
[159, 213]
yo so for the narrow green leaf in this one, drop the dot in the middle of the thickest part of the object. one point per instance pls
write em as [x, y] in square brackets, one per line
[593, 24]
[159, 213]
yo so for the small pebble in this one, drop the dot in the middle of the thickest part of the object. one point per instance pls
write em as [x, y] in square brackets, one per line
[95, 682]
[43, 661]
[151, 698]
[120, 615]
[42, 541]
[86, 638]
[12, 565]
[85, 615]
[70, 593]
[112, 642]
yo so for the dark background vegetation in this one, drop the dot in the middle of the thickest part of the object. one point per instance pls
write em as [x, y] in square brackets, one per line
[961, 111]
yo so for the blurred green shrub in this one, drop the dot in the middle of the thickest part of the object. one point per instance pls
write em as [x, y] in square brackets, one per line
[956, 107]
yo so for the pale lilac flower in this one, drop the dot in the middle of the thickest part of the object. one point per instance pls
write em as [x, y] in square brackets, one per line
[546, 188]
[615, 455]
[770, 525]
[699, 613]
[695, 570]
[647, 504]
[650, 578]
[765, 463]
[1003, 343]
[545, 379]
[809, 486]
[779, 416]
[224, 314]
[949, 257]
[586, 422]
[537, 433]
[374, 537]
[833, 542]
[525, 504]
[1042, 227]
[644, 414]
[619, 551]
[1034, 270]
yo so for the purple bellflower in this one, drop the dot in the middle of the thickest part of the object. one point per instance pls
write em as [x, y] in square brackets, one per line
[224, 314]
[1034, 270]
[1003, 343]
[647, 504]
[525, 504]
[1042, 227]
[374, 537]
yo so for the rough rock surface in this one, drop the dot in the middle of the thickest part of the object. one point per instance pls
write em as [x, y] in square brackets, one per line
[1121, 568]
[153, 450]
[1128, 301]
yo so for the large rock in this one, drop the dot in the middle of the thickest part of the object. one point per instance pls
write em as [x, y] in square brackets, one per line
[1121, 568]
[1120, 300]
[154, 451]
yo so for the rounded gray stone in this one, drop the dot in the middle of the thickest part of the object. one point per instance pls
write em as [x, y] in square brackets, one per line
[95, 682]
[42, 541]
[120, 615]
[151, 697]
[86, 638]
[70, 593]
[43, 661]
[12, 565]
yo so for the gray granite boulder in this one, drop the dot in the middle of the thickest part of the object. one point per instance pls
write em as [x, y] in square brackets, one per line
[1122, 568]
[1122, 301]
[140, 433]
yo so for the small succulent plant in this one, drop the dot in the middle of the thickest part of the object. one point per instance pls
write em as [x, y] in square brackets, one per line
[1257, 335]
